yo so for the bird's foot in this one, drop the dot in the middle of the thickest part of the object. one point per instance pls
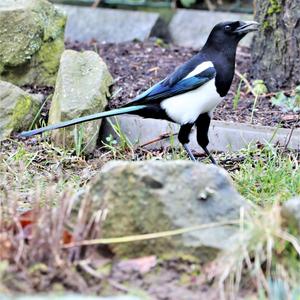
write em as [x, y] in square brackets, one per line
[189, 152]
[213, 161]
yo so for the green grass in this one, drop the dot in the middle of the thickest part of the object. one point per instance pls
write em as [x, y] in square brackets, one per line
[268, 175]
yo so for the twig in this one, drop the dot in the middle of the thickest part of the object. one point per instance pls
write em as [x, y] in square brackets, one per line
[289, 138]
[118, 286]
[275, 93]
[246, 82]
[86, 267]
[163, 136]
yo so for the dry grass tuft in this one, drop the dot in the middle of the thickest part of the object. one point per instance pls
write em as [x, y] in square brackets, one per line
[263, 254]
[32, 256]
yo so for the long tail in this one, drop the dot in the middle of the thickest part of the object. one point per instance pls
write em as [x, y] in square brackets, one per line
[110, 113]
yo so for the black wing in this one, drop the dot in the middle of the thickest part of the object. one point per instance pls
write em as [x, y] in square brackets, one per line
[162, 91]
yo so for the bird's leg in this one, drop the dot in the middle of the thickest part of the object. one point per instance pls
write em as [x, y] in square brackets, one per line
[209, 155]
[189, 152]
[183, 137]
[202, 124]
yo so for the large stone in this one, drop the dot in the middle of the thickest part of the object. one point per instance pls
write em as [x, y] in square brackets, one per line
[69, 296]
[190, 28]
[111, 25]
[17, 109]
[155, 196]
[31, 41]
[291, 212]
[81, 89]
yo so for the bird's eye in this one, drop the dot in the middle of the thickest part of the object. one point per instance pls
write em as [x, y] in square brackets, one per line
[227, 28]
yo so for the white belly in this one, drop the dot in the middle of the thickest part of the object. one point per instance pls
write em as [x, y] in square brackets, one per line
[187, 107]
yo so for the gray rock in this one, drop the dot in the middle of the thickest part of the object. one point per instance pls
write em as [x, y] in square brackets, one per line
[17, 109]
[190, 28]
[31, 41]
[155, 196]
[81, 89]
[68, 297]
[291, 212]
[111, 25]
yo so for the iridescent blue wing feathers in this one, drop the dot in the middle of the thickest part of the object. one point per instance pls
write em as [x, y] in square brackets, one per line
[163, 91]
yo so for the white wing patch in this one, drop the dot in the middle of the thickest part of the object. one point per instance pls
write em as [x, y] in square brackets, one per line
[186, 108]
[200, 68]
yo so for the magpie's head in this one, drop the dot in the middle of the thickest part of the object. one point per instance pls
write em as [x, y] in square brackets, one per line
[230, 33]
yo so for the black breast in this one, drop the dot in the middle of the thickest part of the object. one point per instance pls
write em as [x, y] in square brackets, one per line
[224, 63]
[224, 77]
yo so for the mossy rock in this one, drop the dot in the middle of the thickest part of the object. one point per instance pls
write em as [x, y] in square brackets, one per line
[17, 109]
[81, 89]
[291, 214]
[31, 41]
[154, 196]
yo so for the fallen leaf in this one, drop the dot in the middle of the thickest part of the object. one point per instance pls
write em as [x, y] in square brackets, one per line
[67, 237]
[27, 218]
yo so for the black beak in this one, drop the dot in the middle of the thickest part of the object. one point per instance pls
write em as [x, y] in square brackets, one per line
[246, 27]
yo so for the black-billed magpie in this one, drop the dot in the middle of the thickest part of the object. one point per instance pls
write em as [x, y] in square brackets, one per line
[189, 95]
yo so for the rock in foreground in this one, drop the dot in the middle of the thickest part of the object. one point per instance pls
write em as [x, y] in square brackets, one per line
[31, 41]
[81, 89]
[69, 296]
[17, 109]
[291, 212]
[154, 196]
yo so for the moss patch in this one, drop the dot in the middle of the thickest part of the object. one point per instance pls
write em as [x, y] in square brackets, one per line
[17, 109]
[22, 108]
[33, 43]
[274, 8]
[48, 59]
